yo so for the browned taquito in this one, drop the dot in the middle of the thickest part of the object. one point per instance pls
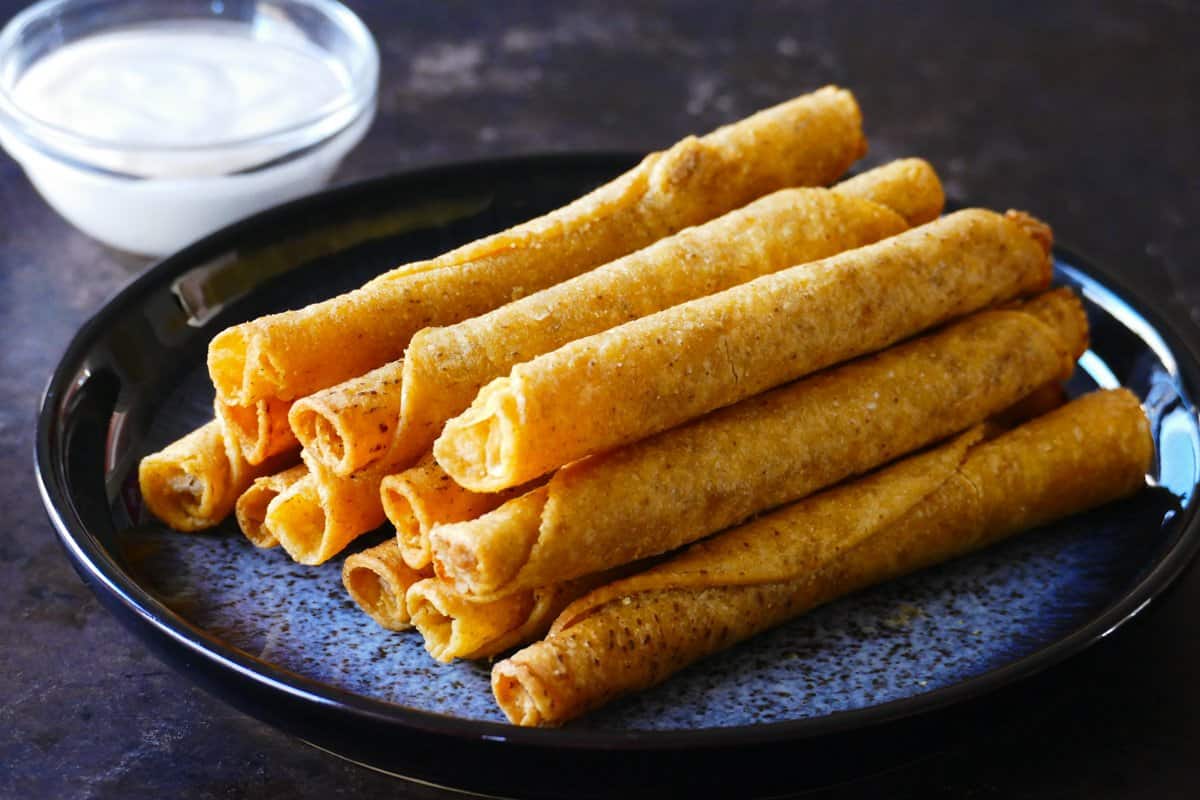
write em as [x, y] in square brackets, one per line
[351, 425]
[688, 482]
[808, 141]
[908, 186]
[319, 515]
[929, 508]
[259, 430]
[251, 508]
[377, 580]
[419, 498]
[649, 375]
[455, 626]
[194, 482]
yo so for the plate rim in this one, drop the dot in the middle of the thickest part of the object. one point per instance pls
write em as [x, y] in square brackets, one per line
[97, 568]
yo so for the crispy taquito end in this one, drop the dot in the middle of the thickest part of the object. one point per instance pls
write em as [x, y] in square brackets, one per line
[649, 375]
[808, 141]
[423, 496]
[251, 507]
[688, 482]
[194, 482]
[455, 626]
[351, 424]
[636, 632]
[259, 430]
[445, 367]
[378, 580]
[316, 517]
[908, 186]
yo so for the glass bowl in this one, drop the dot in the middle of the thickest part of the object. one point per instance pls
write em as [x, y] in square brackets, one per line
[153, 195]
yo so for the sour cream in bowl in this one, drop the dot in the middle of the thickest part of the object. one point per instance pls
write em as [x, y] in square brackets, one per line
[148, 124]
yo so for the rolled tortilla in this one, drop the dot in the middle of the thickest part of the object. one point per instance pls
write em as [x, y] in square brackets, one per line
[960, 497]
[455, 626]
[419, 498]
[908, 186]
[194, 482]
[352, 424]
[654, 373]
[377, 580]
[444, 368]
[688, 482]
[319, 515]
[259, 430]
[810, 140]
[251, 508]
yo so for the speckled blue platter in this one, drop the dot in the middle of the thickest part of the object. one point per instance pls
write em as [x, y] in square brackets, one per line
[284, 642]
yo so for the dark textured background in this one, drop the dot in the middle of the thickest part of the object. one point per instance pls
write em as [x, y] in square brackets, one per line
[1087, 113]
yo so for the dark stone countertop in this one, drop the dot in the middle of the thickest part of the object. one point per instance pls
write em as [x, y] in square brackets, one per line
[1086, 113]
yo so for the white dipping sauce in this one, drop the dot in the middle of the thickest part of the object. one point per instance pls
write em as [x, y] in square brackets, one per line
[183, 84]
[181, 127]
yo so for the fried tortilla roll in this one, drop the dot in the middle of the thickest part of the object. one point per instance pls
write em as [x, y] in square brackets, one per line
[317, 516]
[377, 580]
[259, 430]
[654, 373]
[908, 186]
[251, 508]
[419, 498]
[444, 368]
[351, 425]
[455, 626]
[688, 482]
[808, 141]
[931, 507]
[193, 483]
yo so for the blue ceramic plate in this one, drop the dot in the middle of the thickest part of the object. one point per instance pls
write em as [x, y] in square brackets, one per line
[284, 642]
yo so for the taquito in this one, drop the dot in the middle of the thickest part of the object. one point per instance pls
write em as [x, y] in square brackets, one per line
[259, 430]
[931, 507]
[688, 482]
[455, 626]
[351, 425]
[194, 482]
[377, 580]
[908, 186]
[419, 498]
[251, 507]
[315, 518]
[654, 373]
[808, 141]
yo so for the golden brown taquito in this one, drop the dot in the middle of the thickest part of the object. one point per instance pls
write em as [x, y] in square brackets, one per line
[908, 186]
[251, 507]
[259, 430]
[673, 488]
[808, 141]
[377, 580]
[194, 482]
[455, 626]
[646, 376]
[351, 425]
[419, 498]
[315, 518]
[929, 508]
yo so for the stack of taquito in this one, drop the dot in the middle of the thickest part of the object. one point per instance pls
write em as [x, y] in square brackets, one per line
[549, 414]
[347, 344]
